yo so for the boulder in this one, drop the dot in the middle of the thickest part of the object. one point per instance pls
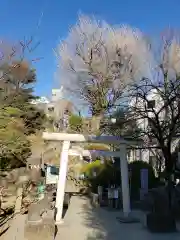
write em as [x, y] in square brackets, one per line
[156, 200]
[40, 231]
[37, 209]
[160, 223]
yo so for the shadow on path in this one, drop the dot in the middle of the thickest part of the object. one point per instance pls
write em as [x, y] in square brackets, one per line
[105, 226]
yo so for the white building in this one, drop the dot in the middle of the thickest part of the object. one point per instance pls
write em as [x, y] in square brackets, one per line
[154, 101]
[56, 107]
[57, 94]
[41, 103]
[41, 100]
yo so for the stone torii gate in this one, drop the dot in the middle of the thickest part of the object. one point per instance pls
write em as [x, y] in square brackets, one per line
[67, 139]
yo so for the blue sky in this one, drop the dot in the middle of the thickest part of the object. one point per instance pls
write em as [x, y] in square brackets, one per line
[19, 19]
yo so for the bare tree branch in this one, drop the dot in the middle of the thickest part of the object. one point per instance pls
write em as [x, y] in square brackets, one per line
[98, 61]
[160, 124]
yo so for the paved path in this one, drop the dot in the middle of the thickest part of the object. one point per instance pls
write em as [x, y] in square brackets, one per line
[82, 222]
[70, 187]
[16, 230]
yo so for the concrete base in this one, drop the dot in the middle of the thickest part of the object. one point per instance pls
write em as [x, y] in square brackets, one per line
[127, 219]
[40, 231]
[34, 222]
[94, 199]
[59, 222]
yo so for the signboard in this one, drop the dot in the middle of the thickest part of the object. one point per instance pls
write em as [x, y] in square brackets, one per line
[50, 177]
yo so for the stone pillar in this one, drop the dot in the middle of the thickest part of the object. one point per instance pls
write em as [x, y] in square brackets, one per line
[62, 181]
[18, 200]
[124, 180]
[19, 193]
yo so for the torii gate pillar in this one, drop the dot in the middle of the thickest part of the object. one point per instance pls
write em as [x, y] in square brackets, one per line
[125, 180]
[62, 181]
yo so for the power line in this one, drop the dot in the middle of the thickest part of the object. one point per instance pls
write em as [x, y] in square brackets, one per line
[42, 14]
[39, 23]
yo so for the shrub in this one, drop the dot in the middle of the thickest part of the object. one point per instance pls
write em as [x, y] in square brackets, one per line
[14, 145]
[75, 123]
[106, 174]
[89, 168]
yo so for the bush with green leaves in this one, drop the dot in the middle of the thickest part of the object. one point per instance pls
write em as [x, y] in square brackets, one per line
[14, 146]
[105, 174]
[93, 167]
[18, 117]
[75, 123]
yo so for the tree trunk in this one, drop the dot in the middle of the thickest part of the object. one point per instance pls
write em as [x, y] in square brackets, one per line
[168, 159]
[169, 166]
[95, 123]
[159, 167]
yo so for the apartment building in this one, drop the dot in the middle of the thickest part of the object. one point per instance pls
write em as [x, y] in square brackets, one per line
[57, 107]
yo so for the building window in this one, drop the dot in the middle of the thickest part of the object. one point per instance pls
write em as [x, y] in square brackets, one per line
[151, 104]
[152, 160]
[51, 109]
[66, 112]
